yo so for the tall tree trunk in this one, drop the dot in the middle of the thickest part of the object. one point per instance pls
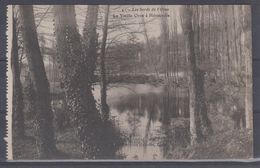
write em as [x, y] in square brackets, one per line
[90, 42]
[209, 35]
[18, 104]
[198, 108]
[76, 74]
[195, 130]
[44, 116]
[235, 64]
[164, 44]
[103, 82]
[201, 103]
[200, 75]
[248, 70]
[248, 92]
[227, 45]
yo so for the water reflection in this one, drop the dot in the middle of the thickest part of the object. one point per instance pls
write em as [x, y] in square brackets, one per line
[153, 119]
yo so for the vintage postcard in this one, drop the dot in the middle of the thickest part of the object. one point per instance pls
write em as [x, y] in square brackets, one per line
[129, 82]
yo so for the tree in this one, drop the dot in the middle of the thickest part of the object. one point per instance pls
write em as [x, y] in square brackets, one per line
[90, 41]
[200, 71]
[247, 50]
[165, 48]
[44, 116]
[195, 129]
[18, 105]
[198, 108]
[103, 82]
[77, 67]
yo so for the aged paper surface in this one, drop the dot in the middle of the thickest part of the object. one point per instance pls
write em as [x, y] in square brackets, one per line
[129, 82]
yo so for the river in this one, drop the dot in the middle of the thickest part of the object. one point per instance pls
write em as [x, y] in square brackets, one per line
[153, 119]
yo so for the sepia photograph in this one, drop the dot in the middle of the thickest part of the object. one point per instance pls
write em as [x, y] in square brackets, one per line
[129, 82]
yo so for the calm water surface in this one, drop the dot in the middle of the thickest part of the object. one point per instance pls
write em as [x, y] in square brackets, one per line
[152, 119]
